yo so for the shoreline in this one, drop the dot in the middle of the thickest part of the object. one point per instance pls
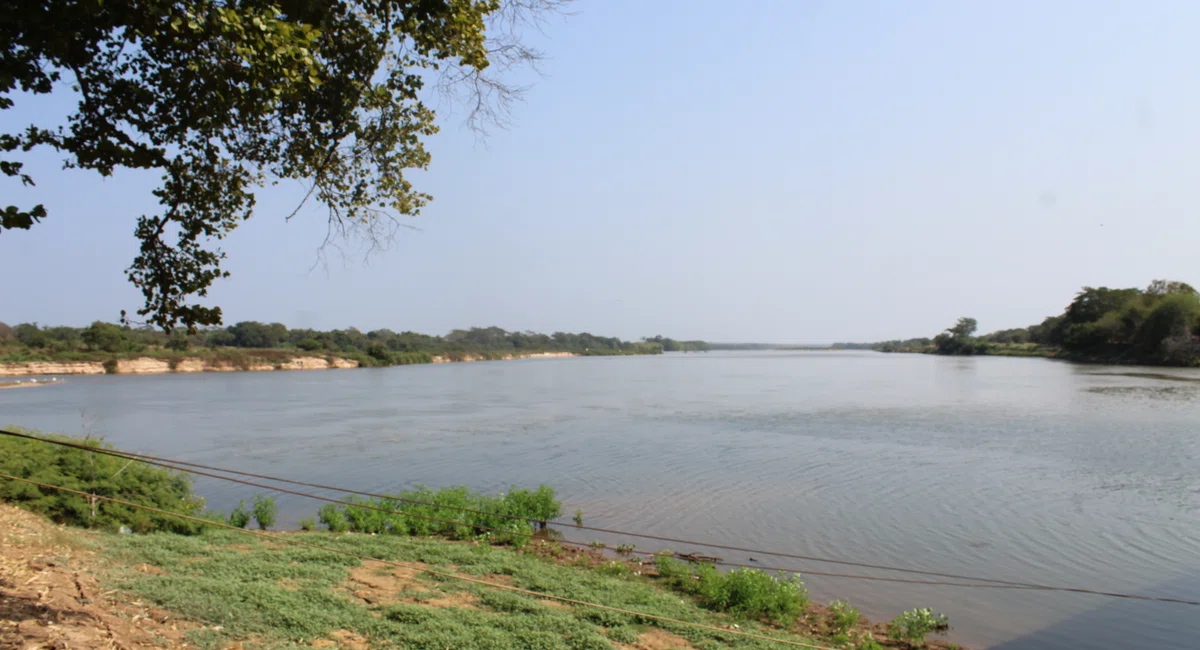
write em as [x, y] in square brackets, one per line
[154, 366]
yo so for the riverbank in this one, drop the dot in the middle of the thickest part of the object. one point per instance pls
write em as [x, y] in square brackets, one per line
[65, 587]
[221, 363]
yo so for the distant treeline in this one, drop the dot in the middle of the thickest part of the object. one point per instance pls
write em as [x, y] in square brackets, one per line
[1158, 325]
[29, 342]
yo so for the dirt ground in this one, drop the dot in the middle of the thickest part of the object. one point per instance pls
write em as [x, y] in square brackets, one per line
[49, 598]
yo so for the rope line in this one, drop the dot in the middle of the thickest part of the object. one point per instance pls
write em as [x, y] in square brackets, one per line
[288, 539]
[995, 584]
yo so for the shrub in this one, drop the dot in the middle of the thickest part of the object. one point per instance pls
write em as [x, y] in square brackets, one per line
[332, 516]
[424, 512]
[99, 474]
[240, 517]
[842, 616]
[308, 523]
[753, 593]
[265, 511]
[912, 626]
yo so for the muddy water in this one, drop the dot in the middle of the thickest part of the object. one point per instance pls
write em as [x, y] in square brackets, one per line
[1019, 469]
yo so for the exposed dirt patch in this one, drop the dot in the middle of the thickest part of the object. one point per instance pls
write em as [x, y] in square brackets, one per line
[50, 599]
[343, 639]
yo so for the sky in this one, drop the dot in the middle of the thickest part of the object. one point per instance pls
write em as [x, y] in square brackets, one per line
[789, 171]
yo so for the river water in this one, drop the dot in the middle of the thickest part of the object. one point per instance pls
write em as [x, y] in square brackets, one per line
[1016, 469]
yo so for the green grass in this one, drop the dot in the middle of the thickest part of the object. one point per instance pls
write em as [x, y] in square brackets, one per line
[286, 596]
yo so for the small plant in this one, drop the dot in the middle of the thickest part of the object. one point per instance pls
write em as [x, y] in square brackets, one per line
[625, 550]
[578, 517]
[614, 568]
[240, 517]
[308, 523]
[912, 626]
[868, 642]
[265, 511]
[598, 544]
[842, 616]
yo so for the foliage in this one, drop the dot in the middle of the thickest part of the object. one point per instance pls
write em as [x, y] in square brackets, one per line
[914, 625]
[248, 342]
[424, 512]
[842, 616]
[265, 511]
[578, 518]
[240, 517]
[747, 593]
[1158, 326]
[308, 523]
[220, 98]
[98, 474]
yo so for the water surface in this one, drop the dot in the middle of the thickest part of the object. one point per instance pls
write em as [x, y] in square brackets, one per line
[1018, 469]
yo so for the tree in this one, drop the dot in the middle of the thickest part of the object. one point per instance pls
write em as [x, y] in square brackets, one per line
[964, 328]
[105, 337]
[6, 332]
[221, 97]
[30, 334]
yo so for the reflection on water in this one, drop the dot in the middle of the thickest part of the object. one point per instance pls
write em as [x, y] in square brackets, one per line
[1018, 469]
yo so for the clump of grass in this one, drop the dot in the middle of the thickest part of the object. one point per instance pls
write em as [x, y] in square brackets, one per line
[614, 568]
[623, 634]
[265, 511]
[308, 524]
[914, 625]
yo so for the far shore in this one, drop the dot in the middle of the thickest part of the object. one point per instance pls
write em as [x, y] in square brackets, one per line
[151, 365]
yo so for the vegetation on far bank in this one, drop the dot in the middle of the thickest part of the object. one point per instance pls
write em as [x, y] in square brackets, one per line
[1158, 325]
[236, 587]
[251, 342]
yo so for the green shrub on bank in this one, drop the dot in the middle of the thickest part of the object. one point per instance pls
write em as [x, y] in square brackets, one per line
[748, 593]
[440, 512]
[265, 511]
[914, 625]
[99, 474]
[240, 517]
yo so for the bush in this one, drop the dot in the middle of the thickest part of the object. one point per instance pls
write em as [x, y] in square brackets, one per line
[425, 512]
[98, 474]
[748, 593]
[240, 517]
[308, 523]
[842, 616]
[265, 511]
[332, 516]
[912, 626]
[756, 594]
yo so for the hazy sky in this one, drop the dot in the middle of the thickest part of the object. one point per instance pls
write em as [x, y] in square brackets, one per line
[783, 171]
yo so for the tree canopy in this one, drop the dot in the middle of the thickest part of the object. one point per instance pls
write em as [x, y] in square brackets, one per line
[220, 98]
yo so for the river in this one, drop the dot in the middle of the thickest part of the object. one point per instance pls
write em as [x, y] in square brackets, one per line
[1016, 469]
